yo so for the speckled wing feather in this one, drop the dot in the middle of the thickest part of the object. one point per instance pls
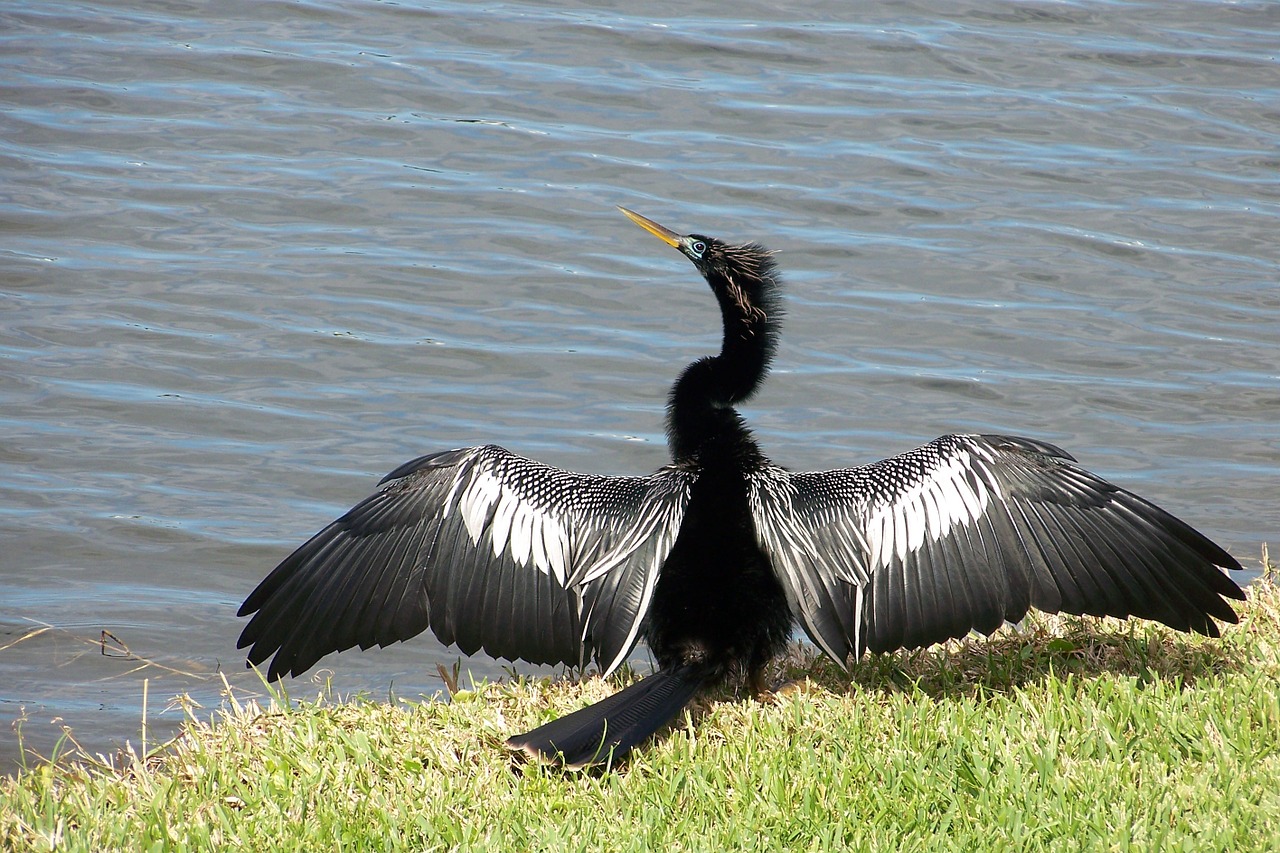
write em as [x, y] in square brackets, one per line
[968, 532]
[490, 550]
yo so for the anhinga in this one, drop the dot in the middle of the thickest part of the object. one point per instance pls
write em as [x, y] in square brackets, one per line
[715, 557]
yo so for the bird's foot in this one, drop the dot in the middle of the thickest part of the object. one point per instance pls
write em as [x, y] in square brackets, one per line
[786, 689]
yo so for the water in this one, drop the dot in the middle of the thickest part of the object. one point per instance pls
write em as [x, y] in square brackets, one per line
[253, 255]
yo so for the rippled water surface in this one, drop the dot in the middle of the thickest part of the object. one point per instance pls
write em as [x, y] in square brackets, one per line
[253, 255]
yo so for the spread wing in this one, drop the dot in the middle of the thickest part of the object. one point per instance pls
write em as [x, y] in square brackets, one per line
[488, 549]
[968, 532]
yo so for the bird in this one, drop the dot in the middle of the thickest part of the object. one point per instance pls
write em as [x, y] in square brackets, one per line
[716, 558]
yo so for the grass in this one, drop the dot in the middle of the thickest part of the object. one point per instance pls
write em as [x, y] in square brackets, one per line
[1071, 734]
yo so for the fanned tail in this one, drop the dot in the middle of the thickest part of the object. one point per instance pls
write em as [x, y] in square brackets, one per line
[607, 730]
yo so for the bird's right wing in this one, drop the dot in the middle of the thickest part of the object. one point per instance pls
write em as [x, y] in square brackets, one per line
[968, 532]
[487, 548]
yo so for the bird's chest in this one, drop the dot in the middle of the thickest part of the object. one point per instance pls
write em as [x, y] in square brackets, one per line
[716, 588]
[717, 538]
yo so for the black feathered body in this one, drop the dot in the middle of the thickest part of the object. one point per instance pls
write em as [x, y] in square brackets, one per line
[718, 604]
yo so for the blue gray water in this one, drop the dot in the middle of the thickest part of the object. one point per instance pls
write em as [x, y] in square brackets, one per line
[255, 254]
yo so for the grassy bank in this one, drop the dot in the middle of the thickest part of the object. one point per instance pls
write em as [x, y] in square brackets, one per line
[1073, 734]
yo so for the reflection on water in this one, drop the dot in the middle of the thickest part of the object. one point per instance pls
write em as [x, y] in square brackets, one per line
[255, 255]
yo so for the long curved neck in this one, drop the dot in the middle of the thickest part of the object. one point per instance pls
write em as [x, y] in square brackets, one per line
[700, 411]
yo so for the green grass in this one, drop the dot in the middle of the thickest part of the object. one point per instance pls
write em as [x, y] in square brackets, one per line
[1073, 734]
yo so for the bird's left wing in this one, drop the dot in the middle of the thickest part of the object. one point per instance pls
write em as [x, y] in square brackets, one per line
[968, 532]
[487, 548]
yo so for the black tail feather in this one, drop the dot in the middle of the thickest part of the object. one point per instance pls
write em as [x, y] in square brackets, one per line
[607, 730]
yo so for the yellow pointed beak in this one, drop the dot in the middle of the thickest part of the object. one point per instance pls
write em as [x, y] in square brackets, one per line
[666, 235]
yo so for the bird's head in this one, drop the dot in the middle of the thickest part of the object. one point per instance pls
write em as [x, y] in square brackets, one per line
[743, 277]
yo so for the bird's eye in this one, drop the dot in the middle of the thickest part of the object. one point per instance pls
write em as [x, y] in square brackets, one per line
[698, 247]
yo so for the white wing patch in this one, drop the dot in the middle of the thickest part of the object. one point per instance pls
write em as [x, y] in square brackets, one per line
[956, 494]
[476, 501]
[515, 525]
